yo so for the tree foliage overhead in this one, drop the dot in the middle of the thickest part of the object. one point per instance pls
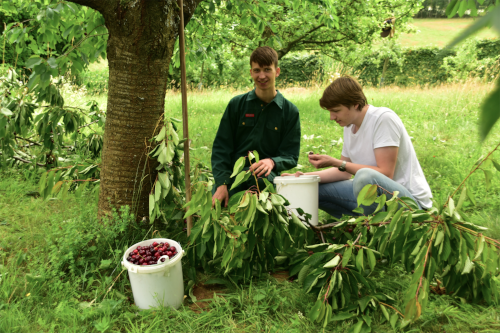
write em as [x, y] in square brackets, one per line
[335, 28]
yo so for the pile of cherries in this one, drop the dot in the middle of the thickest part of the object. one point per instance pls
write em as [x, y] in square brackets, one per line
[150, 255]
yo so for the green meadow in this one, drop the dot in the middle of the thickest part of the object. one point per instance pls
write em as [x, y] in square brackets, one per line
[42, 289]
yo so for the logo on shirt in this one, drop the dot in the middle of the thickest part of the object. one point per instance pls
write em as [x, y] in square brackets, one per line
[249, 115]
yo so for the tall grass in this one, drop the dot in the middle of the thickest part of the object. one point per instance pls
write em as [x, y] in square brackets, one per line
[53, 280]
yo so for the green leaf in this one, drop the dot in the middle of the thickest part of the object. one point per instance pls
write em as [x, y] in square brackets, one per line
[463, 195]
[394, 320]
[238, 166]
[409, 202]
[303, 274]
[314, 313]
[343, 316]
[384, 312]
[371, 259]
[488, 175]
[42, 183]
[256, 156]
[32, 62]
[164, 181]
[367, 195]
[332, 263]
[469, 265]
[240, 178]
[298, 222]
[161, 135]
[480, 247]
[439, 238]
[356, 328]
[105, 264]
[360, 260]
[490, 112]
[347, 256]
[495, 164]
[381, 202]
[6, 112]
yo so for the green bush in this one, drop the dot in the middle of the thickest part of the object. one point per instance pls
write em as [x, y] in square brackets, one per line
[300, 68]
[422, 66]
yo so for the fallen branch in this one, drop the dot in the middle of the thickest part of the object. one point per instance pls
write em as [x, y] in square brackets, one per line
[26, 161]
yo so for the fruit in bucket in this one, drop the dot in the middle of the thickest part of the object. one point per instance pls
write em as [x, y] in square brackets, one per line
[150, 255]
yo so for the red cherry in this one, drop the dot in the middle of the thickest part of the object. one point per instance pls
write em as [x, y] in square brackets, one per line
[155, 244]
[172, 249]
[169, 253]
[166, 245]
[141, 261]
[162, 259]
[144, 264]
[136, 251]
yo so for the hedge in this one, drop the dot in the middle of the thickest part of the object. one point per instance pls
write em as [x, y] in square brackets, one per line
[421, 66]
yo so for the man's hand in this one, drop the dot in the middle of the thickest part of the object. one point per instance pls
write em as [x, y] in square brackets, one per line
[222, 195]
[297, 174]
[263, 167]
[322, 161]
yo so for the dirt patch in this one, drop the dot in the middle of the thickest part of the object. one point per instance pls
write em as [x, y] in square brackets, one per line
[281, 275]
[204, 295]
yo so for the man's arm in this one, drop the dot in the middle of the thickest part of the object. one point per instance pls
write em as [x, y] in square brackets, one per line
[386, 158]
[289, 149]
[326, 176]
[222, 150]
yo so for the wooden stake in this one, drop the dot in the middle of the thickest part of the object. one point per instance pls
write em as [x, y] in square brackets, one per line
[185, 129]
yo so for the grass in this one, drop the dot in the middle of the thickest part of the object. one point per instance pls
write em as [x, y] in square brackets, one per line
[49, 276]
[440, 32]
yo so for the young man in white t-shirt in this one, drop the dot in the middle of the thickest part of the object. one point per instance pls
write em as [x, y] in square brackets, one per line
[377, 150]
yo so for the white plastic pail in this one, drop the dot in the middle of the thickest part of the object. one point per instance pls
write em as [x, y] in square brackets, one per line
[156, 285]
[301, 192]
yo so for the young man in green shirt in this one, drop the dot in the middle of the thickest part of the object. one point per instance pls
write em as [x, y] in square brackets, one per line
[261, 120]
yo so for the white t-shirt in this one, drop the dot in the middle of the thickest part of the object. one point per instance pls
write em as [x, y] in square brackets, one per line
[382, 127]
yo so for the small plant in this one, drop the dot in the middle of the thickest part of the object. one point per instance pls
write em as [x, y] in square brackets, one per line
[249, 237]
[166, 197]
[443, 250]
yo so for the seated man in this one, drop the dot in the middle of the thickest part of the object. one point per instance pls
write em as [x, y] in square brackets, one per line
[261, 120]
[377, 150]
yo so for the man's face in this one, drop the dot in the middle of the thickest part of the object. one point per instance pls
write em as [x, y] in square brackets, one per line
[343, 115]
[264, 77]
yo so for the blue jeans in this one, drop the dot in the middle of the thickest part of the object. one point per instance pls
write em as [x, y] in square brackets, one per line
[340, 197]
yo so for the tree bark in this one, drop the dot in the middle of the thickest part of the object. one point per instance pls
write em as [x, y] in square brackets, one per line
[141, 40]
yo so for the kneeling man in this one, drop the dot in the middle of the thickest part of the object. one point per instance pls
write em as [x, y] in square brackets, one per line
[261, 120]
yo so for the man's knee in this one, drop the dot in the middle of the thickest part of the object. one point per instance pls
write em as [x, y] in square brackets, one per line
[363, 177]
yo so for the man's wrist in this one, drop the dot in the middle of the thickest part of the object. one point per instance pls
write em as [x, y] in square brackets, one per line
[272, 161]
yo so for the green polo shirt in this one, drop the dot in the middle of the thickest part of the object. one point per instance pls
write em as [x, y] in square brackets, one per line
[248, 124]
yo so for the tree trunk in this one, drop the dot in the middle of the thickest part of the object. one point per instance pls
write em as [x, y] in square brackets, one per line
[136, 100]
[140, 46]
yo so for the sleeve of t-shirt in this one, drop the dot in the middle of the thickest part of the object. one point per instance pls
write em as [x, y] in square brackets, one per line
[387, 131]
[345, 151]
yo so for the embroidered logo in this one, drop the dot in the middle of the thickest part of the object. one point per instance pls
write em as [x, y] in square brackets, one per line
[249, 115]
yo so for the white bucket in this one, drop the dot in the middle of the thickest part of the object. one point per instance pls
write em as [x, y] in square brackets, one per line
[160, 284]
[302, 192]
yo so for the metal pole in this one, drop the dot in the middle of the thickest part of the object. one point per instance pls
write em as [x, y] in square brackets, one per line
[185, 129]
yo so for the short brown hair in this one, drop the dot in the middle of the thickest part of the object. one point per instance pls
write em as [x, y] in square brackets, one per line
[264, 56]
[344, 91]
